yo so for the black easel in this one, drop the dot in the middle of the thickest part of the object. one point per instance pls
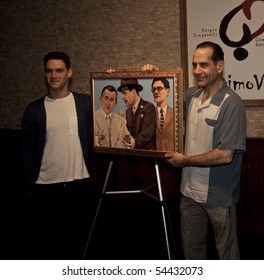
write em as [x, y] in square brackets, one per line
[160, 199]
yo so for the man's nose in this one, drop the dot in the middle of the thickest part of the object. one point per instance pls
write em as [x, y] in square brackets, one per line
[197, 69]
[53, 73]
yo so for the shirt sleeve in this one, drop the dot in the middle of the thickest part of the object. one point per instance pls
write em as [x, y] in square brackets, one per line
[231, 132]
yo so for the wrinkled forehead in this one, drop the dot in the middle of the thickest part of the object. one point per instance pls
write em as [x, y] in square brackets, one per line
[109, 93]
[203, 54]
[157, 84]
[55, 63]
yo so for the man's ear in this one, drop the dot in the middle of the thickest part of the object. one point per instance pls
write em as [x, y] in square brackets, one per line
[220, 66]
[69, 73]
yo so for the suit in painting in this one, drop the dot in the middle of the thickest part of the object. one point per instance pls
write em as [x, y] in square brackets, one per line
[165, 136]
[118, 131]
[142, 125]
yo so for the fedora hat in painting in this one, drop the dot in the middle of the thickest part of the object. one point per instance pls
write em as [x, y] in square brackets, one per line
[130, 82]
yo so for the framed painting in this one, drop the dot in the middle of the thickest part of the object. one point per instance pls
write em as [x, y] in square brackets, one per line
[137, 113]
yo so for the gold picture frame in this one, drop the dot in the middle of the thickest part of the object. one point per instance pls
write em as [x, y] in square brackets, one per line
[99, 80]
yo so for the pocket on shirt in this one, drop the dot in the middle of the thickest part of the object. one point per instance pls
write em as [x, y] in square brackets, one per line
[211, 122]
[73, 126]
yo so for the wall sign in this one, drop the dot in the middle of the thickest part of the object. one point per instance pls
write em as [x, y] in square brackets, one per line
[238, 26]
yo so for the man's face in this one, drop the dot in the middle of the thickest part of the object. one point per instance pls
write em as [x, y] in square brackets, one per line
[205, 71]
[160, 93]
[129, 96]
[108, 101]
[57, 75]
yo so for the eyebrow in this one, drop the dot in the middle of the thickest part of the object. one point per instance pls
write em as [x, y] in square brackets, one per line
[55, 69]
[200, 63]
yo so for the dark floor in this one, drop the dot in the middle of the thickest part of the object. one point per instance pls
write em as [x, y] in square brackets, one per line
[126, 228]
[136, 231]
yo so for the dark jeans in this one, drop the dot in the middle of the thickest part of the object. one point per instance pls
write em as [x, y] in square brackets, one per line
[60, 216]
[194, 221]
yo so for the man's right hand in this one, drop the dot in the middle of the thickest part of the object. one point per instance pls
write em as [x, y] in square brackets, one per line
[110, 70]
[149, 68]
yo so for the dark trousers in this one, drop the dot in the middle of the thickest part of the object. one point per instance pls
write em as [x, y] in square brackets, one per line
[194, 220]
[60, 217]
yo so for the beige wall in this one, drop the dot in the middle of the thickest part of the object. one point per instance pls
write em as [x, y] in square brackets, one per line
[255, 122]
[97, 34]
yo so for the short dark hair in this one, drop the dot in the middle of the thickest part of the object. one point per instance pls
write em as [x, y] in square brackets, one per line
[218, 53]
[110, 88]
[165, 82]
[57, 55]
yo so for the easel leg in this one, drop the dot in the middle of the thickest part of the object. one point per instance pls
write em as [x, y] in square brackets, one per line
[98, 207]
[103, 193]
[162, 207]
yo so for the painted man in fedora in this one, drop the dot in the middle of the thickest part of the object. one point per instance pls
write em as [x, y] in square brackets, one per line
[140, 115]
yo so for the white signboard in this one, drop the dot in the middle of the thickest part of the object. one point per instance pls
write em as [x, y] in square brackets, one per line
[238, 27]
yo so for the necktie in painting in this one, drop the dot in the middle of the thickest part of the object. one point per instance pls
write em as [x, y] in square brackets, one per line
[108, 120]
[161, 118]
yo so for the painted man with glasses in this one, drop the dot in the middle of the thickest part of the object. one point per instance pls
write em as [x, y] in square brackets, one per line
[110, 128]
[160, 89]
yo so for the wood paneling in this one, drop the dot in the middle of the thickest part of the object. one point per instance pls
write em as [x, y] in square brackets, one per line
[251, 205]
